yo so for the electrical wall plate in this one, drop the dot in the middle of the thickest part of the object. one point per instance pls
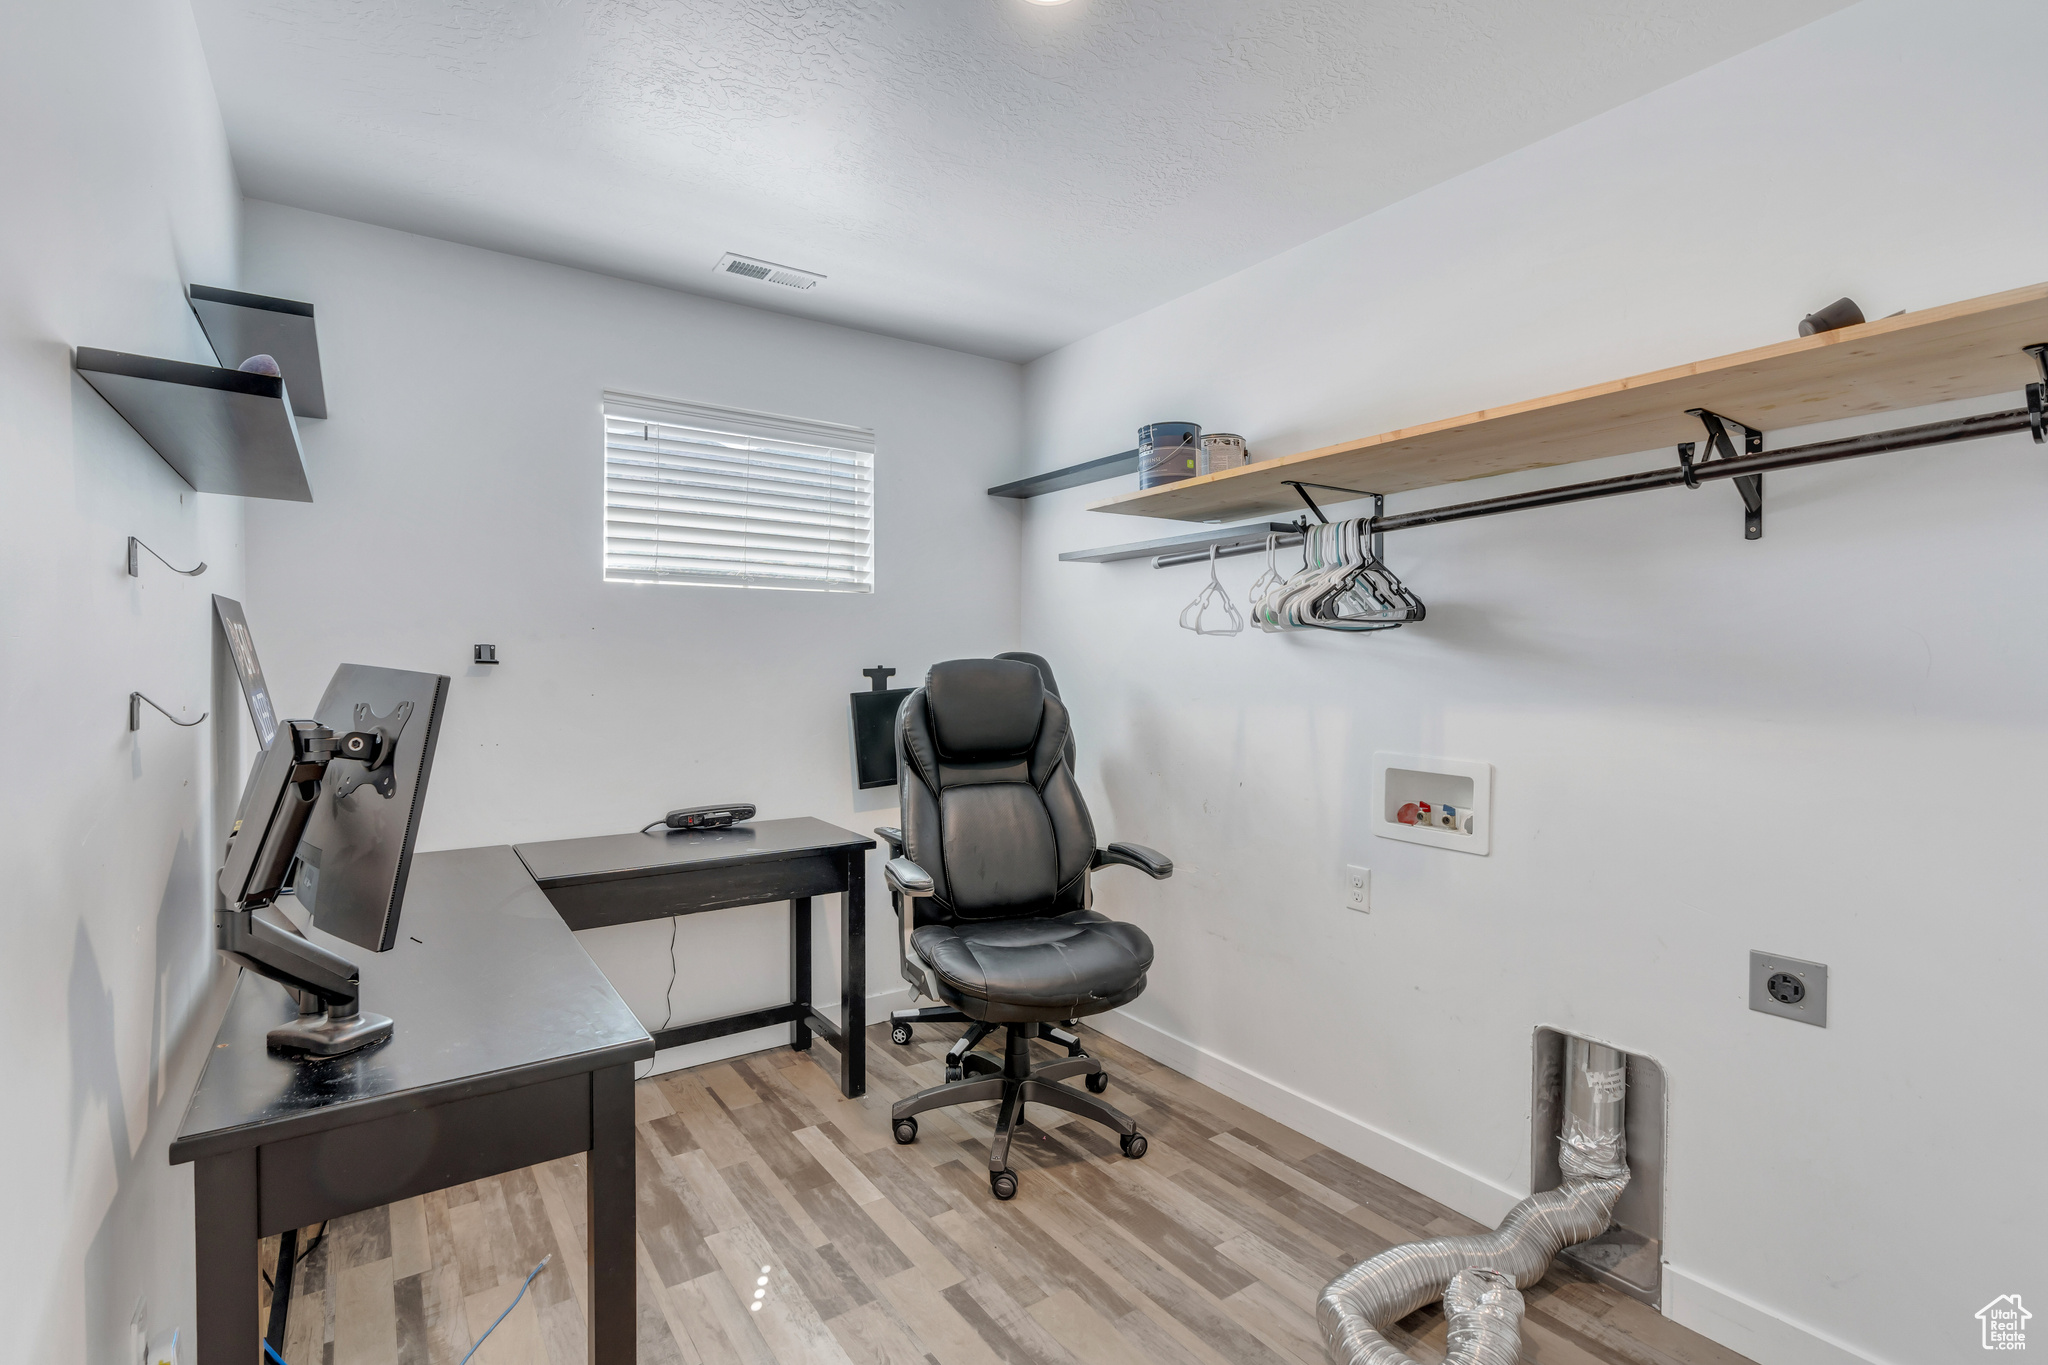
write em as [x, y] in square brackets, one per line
[1403, 780]
[1788, 987]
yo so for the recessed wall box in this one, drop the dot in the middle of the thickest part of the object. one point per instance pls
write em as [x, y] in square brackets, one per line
[1630, 1254]
[1442, 802]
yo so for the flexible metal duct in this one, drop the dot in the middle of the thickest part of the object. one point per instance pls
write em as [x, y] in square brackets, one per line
[1478, 1276]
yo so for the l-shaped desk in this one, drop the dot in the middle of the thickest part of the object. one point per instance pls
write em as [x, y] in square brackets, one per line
[511, 1049]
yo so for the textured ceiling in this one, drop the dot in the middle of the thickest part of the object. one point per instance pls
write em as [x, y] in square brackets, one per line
[992, 175]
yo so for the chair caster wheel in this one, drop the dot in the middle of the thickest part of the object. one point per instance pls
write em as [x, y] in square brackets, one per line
[1003, 1184]
[900, 1035]
[1098, 1081]
[1134, 1145]
[954, 1073]
[906, 1131]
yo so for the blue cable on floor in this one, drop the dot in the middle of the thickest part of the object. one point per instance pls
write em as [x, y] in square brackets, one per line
[510, 1306]
[272, 1350]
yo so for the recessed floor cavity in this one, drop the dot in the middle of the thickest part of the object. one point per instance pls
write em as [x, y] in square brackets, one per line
[1212, 1249]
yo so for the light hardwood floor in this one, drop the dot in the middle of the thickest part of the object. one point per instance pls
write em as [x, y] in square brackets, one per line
[1211, 1249]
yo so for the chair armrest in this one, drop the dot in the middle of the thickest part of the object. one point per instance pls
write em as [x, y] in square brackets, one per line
[907, 877]
[1149, 861]
[893, 837]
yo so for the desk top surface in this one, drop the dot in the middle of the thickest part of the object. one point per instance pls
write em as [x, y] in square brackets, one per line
[488, 988]
[615, 857]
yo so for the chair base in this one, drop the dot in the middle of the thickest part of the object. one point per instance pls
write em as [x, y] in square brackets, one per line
[900, 1022]
[975, 1077]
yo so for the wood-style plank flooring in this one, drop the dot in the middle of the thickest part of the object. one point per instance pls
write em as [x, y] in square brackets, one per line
[1211, 1249]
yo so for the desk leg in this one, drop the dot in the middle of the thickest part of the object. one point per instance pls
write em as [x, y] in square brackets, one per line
[224, 1241]
[853, 985]
[800, 969]
[613, 1315]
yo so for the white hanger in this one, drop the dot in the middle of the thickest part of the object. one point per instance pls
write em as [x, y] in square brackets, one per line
[1213, 594]
[1342, 586]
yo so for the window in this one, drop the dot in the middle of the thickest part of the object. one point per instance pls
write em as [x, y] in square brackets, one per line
[735, 499]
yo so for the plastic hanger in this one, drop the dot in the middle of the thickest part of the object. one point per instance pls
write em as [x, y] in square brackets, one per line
[1342, 586]
[1211, 595]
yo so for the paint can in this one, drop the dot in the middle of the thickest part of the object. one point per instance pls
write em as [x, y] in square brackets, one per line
[1222, 450]
[1168, 452]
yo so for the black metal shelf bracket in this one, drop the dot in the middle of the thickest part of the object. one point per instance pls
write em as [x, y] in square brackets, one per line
[1379, 508]
[2037, 394]
[1719, 442]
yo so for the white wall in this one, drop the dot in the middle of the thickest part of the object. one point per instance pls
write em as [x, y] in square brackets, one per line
[459, 499]
[1827, 744]
[118, 193]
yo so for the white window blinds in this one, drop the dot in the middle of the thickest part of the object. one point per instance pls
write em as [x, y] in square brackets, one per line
[736, 499]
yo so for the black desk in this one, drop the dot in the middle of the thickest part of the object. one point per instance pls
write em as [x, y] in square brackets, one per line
[627, 878]
[511, 1049]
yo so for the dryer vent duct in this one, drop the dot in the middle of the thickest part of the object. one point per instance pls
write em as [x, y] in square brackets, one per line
[767, 272]
[1480, 1278]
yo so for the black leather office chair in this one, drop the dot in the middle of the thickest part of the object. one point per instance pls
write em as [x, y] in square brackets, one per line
[997, 849]
[901, 1021]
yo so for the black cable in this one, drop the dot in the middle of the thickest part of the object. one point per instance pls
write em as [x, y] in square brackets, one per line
[669, 997]
[652, 823]
[304, 1252]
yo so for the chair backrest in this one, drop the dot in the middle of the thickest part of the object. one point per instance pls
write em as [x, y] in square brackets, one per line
[989, 804]
[1038, 662]
[1052, 685]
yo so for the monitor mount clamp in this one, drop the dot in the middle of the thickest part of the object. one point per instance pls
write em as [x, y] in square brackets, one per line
[249, 929]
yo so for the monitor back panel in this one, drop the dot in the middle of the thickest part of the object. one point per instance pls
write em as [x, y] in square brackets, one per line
[357, 849]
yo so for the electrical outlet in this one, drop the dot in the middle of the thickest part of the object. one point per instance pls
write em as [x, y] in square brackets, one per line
[1358, 888]
[1788, 987]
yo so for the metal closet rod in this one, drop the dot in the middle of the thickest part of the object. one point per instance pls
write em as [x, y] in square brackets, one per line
[1792, 457]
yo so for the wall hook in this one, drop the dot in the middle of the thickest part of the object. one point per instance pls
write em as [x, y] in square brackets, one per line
[135, 561]
[483, 654]
[135, 700]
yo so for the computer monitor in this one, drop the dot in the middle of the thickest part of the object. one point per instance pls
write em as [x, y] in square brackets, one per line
[242, 649]
[341, 795]
[354, 855]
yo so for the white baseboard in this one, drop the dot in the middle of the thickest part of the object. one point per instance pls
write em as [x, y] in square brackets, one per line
[1442, 1180]
[1762, 1334]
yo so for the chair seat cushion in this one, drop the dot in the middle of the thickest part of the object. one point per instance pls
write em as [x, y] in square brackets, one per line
[1023, 970]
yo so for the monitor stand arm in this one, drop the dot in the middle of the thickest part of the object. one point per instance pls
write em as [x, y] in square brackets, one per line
[328, 988]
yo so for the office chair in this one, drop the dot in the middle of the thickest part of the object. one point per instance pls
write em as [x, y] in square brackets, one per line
[901, 1021]
[997, 849]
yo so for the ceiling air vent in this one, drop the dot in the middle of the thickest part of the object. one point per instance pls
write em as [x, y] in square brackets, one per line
[766, 271]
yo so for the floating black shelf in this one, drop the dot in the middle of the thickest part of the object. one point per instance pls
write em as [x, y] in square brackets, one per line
[224, 431]
[1073, 476]
[240, 325]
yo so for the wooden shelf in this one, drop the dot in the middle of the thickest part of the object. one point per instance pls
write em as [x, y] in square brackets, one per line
[1960, 350]
[239, 325]
[224, 431]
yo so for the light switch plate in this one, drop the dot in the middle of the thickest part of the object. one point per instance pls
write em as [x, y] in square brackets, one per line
[1789, 987]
